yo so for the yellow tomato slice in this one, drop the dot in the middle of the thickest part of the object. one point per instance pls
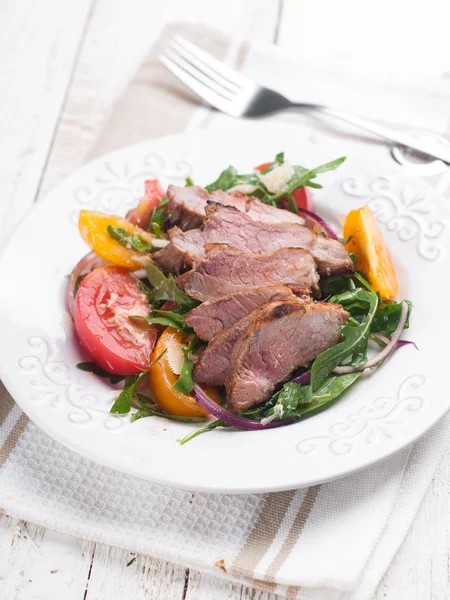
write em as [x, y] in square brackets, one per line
[374, 258]
[162, 377]
[93, 227]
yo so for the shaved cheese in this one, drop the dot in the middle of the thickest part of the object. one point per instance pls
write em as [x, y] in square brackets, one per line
[245, 188]
[277, 180]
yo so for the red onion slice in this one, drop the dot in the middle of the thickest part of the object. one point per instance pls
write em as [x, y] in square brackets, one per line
[232, 419]
[399, 344]
[384, 352]
[85, 265]
[321, 222]
[303, 378]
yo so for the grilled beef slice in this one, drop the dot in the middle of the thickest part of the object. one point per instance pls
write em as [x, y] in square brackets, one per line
[275, 343]
[213, 365]
[226, 271]
[225, 224]
[210, 318]
[187, 206]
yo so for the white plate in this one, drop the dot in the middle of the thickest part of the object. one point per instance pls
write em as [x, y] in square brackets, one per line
[379, 416]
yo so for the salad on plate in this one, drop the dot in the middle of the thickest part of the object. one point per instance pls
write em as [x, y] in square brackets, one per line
[234, 304]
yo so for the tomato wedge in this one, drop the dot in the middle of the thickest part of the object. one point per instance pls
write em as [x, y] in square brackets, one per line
[374, 259]
[140, 215]
[105, 301]
[165, 373]
[93, 228]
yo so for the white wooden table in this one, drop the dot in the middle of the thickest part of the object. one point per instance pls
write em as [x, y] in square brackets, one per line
[62, 64]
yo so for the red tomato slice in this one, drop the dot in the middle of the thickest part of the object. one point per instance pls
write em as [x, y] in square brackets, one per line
[140, 215]
[105, 301]
[303, 199]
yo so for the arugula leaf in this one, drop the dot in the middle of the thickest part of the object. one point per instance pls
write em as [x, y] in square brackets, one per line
[169, 319]
[122, 405]
[354, 343]
[148, 411]
[225, 181]
[165, 288]
[91, 367]
[290, 398]
[329, 391]
[132, 242]
[185, 383]
[387, 317]
[158, 216]
[204, 429]
[77, 284]
[302, 177]
[294, 400]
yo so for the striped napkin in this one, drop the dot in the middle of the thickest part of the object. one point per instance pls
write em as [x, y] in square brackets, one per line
[331, 541]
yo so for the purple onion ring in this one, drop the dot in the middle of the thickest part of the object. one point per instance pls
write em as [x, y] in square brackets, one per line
[321, 222]
[232, 419]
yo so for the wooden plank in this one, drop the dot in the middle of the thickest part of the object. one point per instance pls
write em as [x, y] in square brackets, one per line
[39, 43]
[38, 563]
[104, 68]
[102, 71]
[421, 567]
[117, 574]
[207, 587]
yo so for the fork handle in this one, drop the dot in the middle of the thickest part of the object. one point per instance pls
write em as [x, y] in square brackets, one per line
[434, 149]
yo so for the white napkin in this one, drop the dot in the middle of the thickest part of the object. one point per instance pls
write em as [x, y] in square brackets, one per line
[333, 541]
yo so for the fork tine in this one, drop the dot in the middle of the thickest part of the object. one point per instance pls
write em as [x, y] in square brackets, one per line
[216, 65]
[197, 86]
[203, 67]
[199, 75]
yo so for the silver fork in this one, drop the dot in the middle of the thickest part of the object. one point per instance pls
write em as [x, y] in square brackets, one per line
[237, 95]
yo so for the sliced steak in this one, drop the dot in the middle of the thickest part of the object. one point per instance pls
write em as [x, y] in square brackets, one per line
[182, 251]
[187, 206]
[210, 318]
[256, 209]
[225, 224]
[226, 271]
[275, 343]
[213, 365]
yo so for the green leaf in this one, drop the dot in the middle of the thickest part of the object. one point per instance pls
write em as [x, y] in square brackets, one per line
[122, 405]
[387, 318]
[148, 411]
[156, 229]
[290, 398]
[188, 182]
[165, 288]
[168, 319]
[91, 367]
[333, 387]
[77, 284]
[158, 216]
[185, 383]
[225, 181]
[132, 242]
[292, 205]
[354, 343]
[302, 176]
[204, 429]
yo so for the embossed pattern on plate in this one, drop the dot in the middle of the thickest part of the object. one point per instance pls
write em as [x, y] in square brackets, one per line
[383, 413]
